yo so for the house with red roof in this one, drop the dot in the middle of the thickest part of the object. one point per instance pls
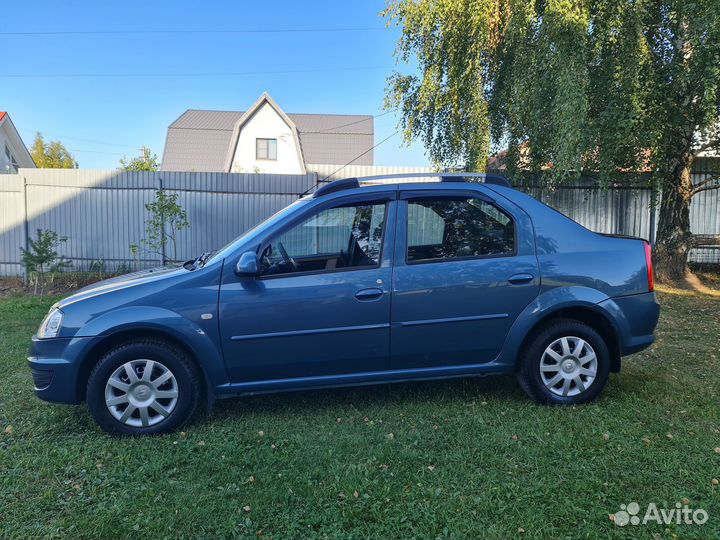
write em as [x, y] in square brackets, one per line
[13, 152]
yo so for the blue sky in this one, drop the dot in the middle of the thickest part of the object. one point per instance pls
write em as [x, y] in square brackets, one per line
[146, 72]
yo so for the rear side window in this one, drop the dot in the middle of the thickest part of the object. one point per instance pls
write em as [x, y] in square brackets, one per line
[447, 228]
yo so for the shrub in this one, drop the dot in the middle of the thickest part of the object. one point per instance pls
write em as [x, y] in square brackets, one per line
[167, 218]
[41, 260]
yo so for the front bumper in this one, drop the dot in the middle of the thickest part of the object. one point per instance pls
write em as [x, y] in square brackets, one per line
[56, 366]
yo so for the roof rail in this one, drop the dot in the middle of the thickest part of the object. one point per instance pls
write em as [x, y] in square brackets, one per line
[445, 177]
[350, 183]
[337, 185]
[494, 179]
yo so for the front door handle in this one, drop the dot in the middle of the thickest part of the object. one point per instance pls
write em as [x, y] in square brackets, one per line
[519, 279]
[372, 293]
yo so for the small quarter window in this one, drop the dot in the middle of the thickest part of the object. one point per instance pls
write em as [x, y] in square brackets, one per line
[266, 149]
[455, 228]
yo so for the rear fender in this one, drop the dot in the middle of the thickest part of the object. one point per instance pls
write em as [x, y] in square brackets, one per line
[543, 306]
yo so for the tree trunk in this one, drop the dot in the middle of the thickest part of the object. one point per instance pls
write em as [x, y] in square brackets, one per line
[674, 235]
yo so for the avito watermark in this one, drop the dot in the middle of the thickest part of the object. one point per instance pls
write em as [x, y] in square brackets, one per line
[680, 514]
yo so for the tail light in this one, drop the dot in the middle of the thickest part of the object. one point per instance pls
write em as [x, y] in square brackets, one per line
[648, 260]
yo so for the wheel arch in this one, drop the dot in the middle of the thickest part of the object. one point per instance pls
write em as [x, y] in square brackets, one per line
[113, 339]
[590, 315]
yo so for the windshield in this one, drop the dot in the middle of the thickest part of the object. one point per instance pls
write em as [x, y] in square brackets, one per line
[263, 225]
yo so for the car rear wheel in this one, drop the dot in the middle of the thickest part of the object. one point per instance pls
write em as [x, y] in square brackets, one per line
[566, 362]
[143, 387]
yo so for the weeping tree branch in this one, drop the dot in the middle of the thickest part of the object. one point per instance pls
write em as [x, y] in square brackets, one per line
[605, 85]
[709, 145]
[706, 185]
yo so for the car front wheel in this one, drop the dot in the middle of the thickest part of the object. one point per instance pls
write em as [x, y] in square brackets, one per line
[567, 362]
[143, 387]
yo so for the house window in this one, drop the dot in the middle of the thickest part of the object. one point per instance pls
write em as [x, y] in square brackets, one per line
[266, 149]
[12, 165]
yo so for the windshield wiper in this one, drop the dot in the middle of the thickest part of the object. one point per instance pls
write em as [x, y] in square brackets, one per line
[204, 258]
[198, 262]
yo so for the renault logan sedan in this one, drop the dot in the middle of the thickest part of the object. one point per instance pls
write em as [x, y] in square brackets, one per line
[365, 281]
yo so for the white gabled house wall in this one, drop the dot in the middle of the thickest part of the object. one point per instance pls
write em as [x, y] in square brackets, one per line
[266, 121]
[6, 165]
[210, 141]
[12, 144]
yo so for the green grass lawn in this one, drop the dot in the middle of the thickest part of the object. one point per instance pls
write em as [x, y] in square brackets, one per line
[462, 458]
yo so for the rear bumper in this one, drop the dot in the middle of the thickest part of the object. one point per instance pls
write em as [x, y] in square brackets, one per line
[635, 318]
[56, 365]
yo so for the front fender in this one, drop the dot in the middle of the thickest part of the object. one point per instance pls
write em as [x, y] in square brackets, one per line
[543, 306]
[201, 341]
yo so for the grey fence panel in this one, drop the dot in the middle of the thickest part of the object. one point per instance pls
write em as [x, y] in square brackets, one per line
[614, 211]
[103, 212]
[705, 219]
[217, 218]
[12, 223]
[100, 213]
[335, 172]
[221, 206]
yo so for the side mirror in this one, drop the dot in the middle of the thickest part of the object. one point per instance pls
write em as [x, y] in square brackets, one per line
[248, 265]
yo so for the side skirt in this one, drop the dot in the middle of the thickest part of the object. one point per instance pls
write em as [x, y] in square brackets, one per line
[359, 379]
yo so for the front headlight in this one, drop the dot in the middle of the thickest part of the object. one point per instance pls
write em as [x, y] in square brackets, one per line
[51, 325]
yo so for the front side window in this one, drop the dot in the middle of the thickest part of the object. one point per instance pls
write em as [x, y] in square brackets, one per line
[266, 149]
[343, 237]
[454, 228]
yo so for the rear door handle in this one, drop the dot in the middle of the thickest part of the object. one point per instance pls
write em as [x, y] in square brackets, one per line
[519, 279]
[372, 293]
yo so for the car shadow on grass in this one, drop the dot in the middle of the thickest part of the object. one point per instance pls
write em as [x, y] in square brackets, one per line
[414, 398]
[75, 421]
[372, 397]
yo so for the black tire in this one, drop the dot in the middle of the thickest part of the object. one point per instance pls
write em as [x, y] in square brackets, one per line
[186, 384]
[529, 374]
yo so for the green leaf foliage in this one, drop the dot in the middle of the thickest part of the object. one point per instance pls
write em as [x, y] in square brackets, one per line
[565, 85]
[51, 155]
[146, 161]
